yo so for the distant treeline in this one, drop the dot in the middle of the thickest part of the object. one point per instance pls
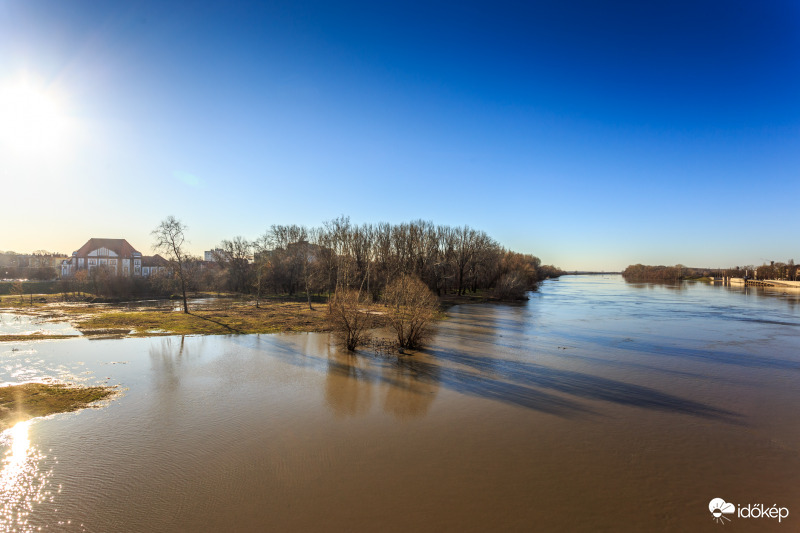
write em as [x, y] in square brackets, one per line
[641, 272]
[37, 273]
[40, 265]
[773, 270]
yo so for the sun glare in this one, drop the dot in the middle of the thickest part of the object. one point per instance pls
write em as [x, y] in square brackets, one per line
[22, 483]
[14, 463]
[32, 119]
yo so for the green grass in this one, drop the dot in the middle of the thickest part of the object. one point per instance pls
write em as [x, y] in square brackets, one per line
[28, 302]
[29, 400]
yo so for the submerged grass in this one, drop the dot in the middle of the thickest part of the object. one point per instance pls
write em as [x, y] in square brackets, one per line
[34, 337]
[222, 315]
[29, 400]
[228, 318]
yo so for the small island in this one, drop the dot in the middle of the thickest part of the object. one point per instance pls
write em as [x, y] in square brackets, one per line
[22, 402]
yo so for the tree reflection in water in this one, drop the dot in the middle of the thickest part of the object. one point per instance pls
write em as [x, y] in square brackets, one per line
[411, 385]
[348, 384]
[408, 384]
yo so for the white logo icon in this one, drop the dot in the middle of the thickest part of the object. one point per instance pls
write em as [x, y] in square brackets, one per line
[719, 508]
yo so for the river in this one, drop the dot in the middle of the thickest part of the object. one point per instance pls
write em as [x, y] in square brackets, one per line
[597, 405]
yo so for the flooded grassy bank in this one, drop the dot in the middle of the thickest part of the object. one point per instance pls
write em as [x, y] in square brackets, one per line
[19, 403]
[207, 316]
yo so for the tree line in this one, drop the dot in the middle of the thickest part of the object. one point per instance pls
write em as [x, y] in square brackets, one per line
[392, 271]
[295, 259]
[40, 265]
[663, 273]
[773, 270]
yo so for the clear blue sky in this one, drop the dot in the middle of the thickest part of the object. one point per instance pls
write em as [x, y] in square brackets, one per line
[592, 134]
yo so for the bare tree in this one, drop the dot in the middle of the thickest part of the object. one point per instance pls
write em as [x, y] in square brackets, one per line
[233, 255]
[17, 288]
[411, 309]
[306, 254]
[350, 317]
[261, 263]
[169, 237]
[511, 286]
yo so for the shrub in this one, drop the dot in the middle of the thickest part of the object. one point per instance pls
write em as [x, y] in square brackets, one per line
[511, 286]
[350, 316]
[411, 307]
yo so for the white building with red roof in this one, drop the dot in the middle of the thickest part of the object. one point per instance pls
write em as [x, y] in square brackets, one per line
[115, 254]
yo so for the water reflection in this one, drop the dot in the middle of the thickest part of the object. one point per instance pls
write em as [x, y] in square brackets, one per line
[15, 324]
[411, 386]
[167, 357]
[348, 384]
[22, 484]
[789, 295]
[408, 384]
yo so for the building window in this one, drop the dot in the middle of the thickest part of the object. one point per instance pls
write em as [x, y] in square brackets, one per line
[92, 261]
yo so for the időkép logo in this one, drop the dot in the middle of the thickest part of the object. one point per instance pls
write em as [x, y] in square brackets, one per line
[721, 511]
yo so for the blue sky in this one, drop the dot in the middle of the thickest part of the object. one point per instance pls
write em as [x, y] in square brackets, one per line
[592, 134]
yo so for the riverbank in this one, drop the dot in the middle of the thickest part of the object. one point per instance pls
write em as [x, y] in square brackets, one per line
[19, 403]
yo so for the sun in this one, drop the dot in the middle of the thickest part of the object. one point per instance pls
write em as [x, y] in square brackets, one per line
[33, 120]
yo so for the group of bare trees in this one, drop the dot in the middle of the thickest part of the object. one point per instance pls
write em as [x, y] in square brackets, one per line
[293, 259]
[661, 273]
[106, 283]
[40, 265]
[402, 268]
[775, 270]
[296, 259]
[407, 306]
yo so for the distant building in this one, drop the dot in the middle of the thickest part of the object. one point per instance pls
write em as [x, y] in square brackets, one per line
[48, 260]
[38, 265]
[152, 264]
[115, 254]
[212, 255]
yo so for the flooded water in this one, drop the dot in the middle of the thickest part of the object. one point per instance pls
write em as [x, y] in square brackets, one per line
[595, 406]
[14, 324]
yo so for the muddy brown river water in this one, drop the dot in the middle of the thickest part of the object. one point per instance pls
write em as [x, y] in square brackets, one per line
[595, 406]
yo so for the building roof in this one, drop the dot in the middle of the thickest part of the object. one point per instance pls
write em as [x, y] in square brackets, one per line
[154, 261]
[120, 246]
